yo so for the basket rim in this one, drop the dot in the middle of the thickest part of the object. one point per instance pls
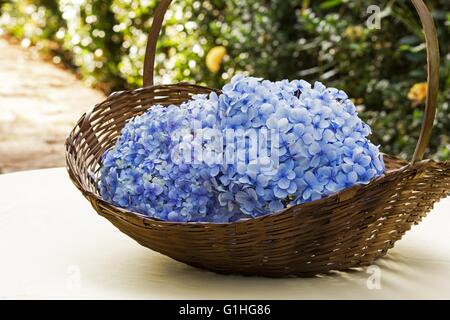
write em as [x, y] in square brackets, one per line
[346, 193]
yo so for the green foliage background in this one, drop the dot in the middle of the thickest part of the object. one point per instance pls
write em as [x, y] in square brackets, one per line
[328, 40]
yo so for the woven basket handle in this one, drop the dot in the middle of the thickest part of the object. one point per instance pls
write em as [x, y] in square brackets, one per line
[432, 59]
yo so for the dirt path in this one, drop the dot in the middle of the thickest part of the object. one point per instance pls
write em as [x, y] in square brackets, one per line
[39, 104]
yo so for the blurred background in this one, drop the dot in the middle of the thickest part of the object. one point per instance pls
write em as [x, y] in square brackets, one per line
[60, 57]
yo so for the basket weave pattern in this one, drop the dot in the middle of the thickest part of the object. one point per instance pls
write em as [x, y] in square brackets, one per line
[349, 229]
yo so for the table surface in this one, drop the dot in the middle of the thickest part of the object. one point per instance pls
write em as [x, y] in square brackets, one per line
[54, 245]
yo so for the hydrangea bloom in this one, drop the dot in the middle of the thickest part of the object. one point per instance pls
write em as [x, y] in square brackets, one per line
[140, 173]
[320, 147]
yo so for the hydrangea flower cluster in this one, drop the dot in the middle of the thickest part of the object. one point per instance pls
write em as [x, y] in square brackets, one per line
[139, 172]
[318, 147]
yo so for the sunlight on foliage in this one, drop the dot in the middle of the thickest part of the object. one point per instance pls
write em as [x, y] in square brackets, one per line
[328, 40]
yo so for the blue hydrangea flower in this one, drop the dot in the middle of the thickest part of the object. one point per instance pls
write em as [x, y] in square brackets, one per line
[320, 147]
[323, 145]
[141, 172]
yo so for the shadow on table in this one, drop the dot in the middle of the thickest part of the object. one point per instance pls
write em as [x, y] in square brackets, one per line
[177, 280]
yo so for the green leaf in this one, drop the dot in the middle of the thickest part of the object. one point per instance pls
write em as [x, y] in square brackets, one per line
[329, 4]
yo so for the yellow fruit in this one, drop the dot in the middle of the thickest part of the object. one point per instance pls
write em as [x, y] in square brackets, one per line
[354, 32]
[418, 92]
[214, 58]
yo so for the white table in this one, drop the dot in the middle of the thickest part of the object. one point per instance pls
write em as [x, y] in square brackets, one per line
[54, 245]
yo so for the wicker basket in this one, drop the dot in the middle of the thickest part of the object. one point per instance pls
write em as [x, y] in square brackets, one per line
[349, 229]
